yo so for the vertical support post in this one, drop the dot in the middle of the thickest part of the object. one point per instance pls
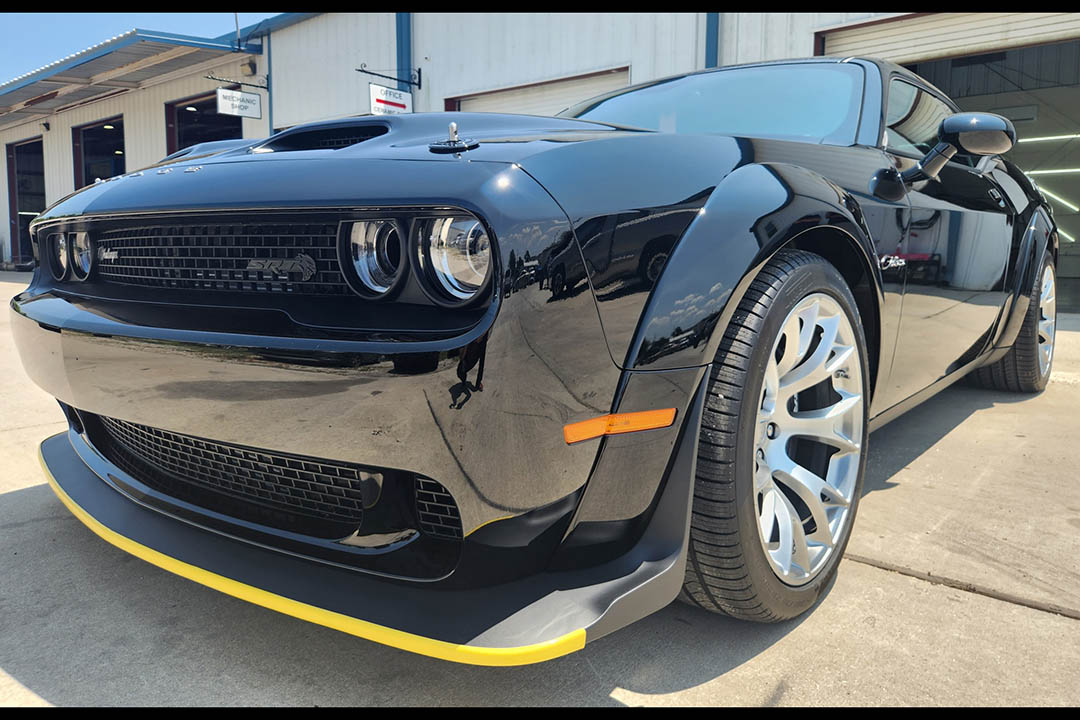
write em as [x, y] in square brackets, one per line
[404, 50]
[712, 39]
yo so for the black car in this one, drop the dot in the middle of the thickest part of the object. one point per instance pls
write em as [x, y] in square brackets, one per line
[340, 373]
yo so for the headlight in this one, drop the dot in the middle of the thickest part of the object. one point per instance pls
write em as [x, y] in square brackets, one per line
[82, 255]
[455, 253]
[376, 252]
[58, 255]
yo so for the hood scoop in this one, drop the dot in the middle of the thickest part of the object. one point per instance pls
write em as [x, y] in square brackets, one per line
[453, 144]
[323, 137]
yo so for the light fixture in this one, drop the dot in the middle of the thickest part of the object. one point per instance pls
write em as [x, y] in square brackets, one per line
[456, 256]
[118, 152]
[108, 127]
[376, 252]
[1060, 171]
[192, 108]
[1048, 138]
[1061, 200]
[1066, 235]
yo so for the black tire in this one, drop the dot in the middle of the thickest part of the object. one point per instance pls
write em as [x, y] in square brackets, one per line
[558, 281]
[1019, 370]
[727, 569]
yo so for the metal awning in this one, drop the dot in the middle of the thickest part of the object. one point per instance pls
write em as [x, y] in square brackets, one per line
[121, 64]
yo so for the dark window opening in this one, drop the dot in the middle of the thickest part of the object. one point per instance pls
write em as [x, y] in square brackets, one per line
[196, 120]
[26, 194]
[99, 151]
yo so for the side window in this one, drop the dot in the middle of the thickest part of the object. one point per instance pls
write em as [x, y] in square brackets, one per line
[912, 117]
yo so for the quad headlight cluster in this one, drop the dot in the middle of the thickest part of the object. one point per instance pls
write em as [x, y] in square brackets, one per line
[451, 255]
[70, 254]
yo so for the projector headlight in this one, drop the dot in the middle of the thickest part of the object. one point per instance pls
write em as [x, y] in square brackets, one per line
[455, 255]
[58, 255]
[376, 256]
[82, 255]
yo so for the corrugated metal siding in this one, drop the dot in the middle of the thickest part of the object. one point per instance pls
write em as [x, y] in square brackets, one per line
[754, 37]
[315, 65]
[473, 53]
[144, 131]
[546, 98]
[938, 35]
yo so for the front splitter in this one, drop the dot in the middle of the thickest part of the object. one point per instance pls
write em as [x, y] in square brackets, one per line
[538, 618]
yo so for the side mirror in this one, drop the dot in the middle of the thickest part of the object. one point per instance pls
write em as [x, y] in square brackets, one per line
[978, 133]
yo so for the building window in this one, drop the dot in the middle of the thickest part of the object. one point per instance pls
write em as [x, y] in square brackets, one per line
[99, 151]
[196, 120]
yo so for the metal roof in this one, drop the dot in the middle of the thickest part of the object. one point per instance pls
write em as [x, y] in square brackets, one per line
[125, 62]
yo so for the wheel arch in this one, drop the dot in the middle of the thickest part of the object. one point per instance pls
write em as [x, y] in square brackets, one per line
[759, 209]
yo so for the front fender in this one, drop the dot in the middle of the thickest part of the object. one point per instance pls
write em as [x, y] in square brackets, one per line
[753, 213]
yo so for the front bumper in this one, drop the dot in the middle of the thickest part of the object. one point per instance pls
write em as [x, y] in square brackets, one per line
[525, 621]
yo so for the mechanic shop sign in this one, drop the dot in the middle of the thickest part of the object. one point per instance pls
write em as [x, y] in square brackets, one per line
[234, 102]
[388, 101]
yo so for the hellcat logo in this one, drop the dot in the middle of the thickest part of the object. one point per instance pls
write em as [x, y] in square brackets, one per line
[302, 263]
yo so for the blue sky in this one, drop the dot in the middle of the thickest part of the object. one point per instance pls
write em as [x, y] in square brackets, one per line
[31, 40]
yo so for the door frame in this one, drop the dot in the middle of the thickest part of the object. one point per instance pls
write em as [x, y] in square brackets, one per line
[13, 194]
[76, 145]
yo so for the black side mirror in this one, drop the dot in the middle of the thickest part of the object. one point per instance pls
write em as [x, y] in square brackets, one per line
[976, 133]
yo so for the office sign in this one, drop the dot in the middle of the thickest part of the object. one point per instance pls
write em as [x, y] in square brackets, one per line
[235, 102]
[388, 101]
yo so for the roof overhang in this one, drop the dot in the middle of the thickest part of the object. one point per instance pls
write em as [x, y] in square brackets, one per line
[126, 62]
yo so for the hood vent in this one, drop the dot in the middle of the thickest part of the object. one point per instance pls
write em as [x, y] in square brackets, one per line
[321, 138]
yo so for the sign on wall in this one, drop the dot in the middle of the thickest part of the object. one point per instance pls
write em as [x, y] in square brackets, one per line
[388, 101]
[235, 102]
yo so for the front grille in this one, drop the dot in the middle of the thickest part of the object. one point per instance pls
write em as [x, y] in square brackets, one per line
[238, 257]
[437, 510]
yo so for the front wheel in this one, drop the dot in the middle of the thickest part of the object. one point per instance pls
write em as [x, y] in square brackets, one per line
[781, 452]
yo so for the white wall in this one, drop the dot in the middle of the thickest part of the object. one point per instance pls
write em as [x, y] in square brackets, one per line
[753, 37]
[314, 64]
[468, 53]
[144, 130]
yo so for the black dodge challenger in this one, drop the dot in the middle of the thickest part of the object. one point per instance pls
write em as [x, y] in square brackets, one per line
[488, 391]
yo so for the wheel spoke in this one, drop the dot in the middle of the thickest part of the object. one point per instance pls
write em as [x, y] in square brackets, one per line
[810, 488]
[796, 549]
[815, 368]
[822, 424]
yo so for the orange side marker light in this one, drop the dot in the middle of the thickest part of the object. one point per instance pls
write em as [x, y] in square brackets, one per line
[617, 424]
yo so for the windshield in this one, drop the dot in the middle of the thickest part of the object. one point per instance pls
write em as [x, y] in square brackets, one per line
[812, 101]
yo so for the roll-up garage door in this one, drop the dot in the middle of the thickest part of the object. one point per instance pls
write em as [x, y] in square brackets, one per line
[924, 36]
[546, 98]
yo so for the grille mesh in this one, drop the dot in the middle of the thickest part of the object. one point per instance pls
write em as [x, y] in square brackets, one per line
[437, 510]
[310, 487]
[217, 256]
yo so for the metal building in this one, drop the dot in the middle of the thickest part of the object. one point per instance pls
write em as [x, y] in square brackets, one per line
[128, 102]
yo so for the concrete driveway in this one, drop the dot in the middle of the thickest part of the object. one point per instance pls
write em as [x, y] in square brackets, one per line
[961, 586]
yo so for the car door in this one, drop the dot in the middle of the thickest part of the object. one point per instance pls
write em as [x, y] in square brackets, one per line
[956, 249]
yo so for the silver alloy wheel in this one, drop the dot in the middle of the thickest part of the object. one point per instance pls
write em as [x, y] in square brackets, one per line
[803, 515]
[1047, 320]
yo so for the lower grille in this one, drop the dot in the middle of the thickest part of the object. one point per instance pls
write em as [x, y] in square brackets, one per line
[437, 510]
[237, 257]
[298, 492]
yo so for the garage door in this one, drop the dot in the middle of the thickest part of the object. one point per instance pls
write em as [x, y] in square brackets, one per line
[546, 98]
[937, 35]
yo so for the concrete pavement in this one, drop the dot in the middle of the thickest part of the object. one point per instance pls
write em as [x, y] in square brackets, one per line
[972, 488]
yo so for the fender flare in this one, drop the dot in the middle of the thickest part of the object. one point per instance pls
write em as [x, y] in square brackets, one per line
[757, 210]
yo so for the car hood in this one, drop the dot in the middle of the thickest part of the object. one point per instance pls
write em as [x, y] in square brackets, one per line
[290, 170]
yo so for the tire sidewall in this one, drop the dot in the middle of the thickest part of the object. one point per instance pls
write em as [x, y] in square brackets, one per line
[783, 599]
[1035, 315]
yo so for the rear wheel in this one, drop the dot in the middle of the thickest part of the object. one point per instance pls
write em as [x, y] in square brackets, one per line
[1027, 366]
[781, 452]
